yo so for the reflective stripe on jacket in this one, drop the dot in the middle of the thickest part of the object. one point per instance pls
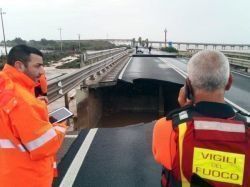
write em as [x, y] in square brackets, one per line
[28, 142]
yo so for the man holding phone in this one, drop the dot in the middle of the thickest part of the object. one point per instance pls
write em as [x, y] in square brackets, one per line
[195, 143]
[28, 141]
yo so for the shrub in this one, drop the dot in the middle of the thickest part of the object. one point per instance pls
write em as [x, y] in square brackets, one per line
[73, 64]
[169, 49]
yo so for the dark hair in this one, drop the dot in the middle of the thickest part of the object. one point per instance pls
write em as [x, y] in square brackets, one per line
[22, 53]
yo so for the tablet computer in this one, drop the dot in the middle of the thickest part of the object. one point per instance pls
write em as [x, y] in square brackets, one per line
[59, 115]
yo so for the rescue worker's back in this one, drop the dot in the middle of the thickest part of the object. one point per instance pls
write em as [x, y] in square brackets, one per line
[204, 143]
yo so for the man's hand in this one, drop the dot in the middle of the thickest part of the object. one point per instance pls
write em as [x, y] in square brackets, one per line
[182, 100]
[43, 98]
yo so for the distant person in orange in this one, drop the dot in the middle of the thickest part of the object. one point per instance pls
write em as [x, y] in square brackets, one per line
[204, 143]
[28, 141]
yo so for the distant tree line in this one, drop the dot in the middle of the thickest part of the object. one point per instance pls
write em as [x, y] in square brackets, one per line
[52, 49]
[45, 44]
[141, 42]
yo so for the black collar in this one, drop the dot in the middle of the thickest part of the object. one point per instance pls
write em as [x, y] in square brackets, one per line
[215, 110]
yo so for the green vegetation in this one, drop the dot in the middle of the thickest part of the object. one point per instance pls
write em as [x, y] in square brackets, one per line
[52, 49]
[73, 64]
[169, 49]
[44, 44]
[141, 42]
[133, 42]
[55, 56]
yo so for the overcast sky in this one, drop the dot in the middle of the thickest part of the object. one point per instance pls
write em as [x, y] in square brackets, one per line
[218, 21]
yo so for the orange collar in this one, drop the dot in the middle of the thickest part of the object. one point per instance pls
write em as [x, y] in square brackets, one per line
[19, 77]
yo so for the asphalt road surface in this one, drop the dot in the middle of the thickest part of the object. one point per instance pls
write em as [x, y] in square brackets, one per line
[150, 68]
[116, 157]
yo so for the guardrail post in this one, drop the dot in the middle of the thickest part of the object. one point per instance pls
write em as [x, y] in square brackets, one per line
[66, 100]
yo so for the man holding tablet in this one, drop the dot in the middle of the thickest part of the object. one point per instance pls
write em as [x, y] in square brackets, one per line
[28, 141]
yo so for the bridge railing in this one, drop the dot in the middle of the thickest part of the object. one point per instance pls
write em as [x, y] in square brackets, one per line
[242, 63]
[234, 54]
[241, 60]
[89, 58]
[62, 85]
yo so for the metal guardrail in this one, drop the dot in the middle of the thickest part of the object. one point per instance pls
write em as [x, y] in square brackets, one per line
[60, 86]
[239, 62]
[234, 54]
[96, 56]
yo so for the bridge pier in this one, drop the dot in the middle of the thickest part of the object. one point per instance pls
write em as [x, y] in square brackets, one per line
[178, 46]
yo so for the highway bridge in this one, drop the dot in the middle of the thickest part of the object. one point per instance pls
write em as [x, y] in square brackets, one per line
[115, 148]
[177, 44]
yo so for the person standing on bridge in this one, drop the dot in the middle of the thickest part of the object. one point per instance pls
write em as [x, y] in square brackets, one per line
[28, 141]
[204, 143]
[149, 49]
[136, 49]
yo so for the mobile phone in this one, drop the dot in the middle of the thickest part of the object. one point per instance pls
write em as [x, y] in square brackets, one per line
[59, 115]
[188, 90]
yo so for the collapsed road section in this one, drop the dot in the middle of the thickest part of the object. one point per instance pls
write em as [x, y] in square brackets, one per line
[126, 103]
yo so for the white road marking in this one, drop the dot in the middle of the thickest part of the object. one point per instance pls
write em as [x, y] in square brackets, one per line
[71, 136]
[74, 168]
[237, 106]
[184, 74]
[123, 70]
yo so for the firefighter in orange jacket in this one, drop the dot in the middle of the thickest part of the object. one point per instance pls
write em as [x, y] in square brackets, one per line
[204, 143]
[28, 141]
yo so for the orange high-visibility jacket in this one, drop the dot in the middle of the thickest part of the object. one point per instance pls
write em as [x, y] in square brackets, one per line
[28, 142]
[164, 144]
